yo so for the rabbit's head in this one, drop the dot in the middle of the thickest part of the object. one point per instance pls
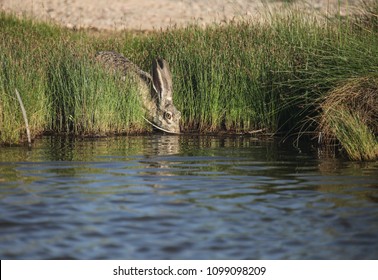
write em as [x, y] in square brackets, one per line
[166, 117]
[156, 91]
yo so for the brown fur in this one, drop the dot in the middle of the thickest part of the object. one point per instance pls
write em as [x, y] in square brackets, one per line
[155, 91]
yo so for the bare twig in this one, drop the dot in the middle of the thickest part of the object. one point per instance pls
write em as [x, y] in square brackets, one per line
[256, 131]
[25, 117]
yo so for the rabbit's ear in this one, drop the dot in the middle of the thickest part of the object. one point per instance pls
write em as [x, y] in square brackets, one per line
[162, 80]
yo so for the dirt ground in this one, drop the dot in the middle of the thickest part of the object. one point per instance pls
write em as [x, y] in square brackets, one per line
[153, 14]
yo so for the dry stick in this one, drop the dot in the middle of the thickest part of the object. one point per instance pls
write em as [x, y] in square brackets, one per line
[256, 131]
[25, 117]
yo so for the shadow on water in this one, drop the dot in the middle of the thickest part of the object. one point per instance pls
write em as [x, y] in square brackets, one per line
[184, 197]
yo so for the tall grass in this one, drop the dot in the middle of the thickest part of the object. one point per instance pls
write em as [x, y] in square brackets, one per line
[238, 77]
[62, 89]
[85, 100]
[16, 74]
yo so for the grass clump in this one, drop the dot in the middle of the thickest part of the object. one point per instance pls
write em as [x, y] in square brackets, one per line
[349, 118]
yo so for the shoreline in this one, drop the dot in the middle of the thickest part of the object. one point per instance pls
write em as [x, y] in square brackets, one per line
[281, 76]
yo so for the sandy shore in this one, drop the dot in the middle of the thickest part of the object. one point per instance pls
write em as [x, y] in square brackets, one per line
[150, 14]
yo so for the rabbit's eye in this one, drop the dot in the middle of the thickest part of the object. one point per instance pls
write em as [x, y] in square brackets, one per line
[168, 116]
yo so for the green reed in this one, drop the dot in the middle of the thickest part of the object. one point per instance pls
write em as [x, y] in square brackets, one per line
[88, 101]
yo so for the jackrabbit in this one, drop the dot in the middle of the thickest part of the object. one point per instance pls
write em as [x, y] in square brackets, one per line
[155, 91]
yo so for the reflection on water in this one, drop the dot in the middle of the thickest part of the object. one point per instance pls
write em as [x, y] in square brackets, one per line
[184, 197]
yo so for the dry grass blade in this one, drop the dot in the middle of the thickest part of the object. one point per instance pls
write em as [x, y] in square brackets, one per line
[25, 117]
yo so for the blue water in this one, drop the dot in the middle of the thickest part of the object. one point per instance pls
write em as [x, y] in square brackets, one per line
[184, 197]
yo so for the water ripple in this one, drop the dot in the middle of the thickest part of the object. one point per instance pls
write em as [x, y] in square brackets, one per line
[195, 199]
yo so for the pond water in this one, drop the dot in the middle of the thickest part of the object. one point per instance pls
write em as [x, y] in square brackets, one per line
[184, 197]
